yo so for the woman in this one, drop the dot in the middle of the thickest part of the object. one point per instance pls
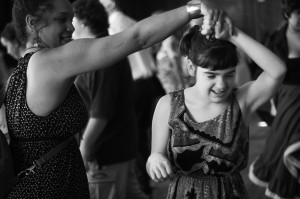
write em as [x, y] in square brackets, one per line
[43, 105]
[200, 134]
[277, 168]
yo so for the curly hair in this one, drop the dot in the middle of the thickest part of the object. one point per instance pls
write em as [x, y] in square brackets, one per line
[35, 8]
[93, 15]
[214, 55]
[288, 6]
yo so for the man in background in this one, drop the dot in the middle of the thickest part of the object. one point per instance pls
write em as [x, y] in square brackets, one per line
[109, 143]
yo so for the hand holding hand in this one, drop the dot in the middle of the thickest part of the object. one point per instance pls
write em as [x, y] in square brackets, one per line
[218, 24]
[159, 167]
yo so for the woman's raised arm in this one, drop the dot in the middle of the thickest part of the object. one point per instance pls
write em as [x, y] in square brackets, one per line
[86, 55]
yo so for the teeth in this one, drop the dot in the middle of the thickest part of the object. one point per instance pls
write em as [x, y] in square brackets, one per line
[219, 91]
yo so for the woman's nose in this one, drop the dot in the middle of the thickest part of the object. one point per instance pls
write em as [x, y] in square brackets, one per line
[70, 27]
[221, 83]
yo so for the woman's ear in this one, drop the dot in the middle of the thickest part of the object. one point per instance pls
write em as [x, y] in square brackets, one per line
[31, 23]
[191, 68]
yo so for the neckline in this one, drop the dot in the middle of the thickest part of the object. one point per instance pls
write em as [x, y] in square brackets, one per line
[190, 116]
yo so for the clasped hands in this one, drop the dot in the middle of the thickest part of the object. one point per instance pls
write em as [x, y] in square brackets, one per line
[216, 23]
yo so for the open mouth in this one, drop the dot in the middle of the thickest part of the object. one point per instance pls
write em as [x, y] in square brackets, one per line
[219, 93]
[65, 40]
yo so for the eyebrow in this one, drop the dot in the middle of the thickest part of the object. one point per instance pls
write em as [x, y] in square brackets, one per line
[63, 13]
[216, 73]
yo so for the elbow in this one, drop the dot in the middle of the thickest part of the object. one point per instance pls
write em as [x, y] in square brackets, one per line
[282, 72]
[143, 39]
[143, 43]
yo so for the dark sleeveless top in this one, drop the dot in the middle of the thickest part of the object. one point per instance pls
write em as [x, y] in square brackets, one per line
[207, 156]
[32, 136]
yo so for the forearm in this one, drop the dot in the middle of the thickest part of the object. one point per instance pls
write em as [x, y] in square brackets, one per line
[91, 134]
[272, 65]
[158, 27]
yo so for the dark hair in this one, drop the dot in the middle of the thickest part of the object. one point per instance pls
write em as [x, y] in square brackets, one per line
[93, 15]
[35, 8]
[212, 54]
[288, 6]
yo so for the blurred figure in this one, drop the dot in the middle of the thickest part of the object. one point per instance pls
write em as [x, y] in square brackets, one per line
[277, 168]
[9, 40]
[15, 49]
[4, 72]
[109, 144]
[147, 88]
[169, 69]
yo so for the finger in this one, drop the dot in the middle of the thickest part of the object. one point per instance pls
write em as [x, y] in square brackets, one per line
[207, 27]
[153, 176]
[157, 173]
[206, 31]
[163, 171]
[230, 25]
[216, 16]
[221, 19]
[169, 170]
[218, 30]
[207, 21]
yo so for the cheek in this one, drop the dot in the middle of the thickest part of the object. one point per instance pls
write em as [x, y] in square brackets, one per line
[231, 83]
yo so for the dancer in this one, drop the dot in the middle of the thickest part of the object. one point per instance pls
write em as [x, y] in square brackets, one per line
[200, 134]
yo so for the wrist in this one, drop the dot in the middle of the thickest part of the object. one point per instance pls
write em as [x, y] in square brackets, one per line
[193, 9]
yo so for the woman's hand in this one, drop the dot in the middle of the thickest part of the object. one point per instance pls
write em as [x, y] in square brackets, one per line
[159, 167]
[217, 23]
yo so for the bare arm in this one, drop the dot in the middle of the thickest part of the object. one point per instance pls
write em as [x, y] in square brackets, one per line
[85, 55]
[158, 166]
[91, 134]
[255, 93]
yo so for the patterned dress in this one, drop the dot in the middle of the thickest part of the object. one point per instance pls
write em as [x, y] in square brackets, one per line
[32, 136]
[207, 156]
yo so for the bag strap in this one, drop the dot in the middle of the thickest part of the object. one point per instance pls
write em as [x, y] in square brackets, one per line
[37, 164]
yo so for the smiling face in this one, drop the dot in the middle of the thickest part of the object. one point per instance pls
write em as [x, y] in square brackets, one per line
[215, 85]
[58, 29]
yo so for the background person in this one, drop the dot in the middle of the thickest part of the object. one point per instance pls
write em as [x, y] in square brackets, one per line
[277, 168]
[109, 144]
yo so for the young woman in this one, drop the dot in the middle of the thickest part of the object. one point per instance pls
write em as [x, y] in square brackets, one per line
[42, 104]
[200, 134]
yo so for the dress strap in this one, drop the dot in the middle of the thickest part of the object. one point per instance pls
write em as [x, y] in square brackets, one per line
[177, 104]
